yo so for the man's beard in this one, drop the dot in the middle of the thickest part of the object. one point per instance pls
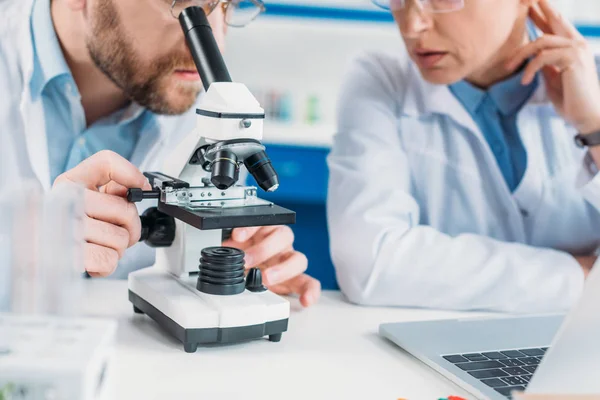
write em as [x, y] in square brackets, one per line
[143, 84]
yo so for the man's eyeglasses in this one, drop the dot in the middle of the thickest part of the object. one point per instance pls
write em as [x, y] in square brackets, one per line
[238, 13]
[432, 6]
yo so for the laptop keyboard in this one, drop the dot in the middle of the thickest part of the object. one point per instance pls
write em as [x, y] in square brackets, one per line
[505, 370]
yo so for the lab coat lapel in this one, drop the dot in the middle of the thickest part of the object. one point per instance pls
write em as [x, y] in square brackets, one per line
[423, 98]
[529, 192]
[32, 110]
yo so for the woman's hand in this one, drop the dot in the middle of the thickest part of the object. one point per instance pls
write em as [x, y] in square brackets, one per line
[567, 63]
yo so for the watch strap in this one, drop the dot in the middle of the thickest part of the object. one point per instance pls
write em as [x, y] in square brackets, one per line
[589, 140]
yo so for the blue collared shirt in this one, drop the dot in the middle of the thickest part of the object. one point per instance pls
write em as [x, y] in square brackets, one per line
[495, 113]
[70, 139]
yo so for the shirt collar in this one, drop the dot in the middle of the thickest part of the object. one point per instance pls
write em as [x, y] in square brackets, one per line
[49, 61]
[509, 96]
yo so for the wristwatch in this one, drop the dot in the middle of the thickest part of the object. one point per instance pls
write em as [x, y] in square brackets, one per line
[590, 140]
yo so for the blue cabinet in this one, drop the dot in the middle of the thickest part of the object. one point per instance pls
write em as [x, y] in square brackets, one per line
[302, 173]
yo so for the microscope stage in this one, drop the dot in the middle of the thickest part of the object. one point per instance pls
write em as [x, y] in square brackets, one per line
[224, 218]
[197, 318]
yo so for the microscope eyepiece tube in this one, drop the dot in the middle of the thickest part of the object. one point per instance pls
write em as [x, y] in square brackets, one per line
[203, 46]
[259, 165]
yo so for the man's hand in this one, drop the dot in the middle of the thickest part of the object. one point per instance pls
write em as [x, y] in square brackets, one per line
[568, 66]
[270, 248]
[587, 263]
[112, 224]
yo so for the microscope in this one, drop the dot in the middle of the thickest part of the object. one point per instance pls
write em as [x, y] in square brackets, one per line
[198, 290]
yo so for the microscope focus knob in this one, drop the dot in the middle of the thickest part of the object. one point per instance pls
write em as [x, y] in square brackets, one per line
[158, 229]
[254, 281]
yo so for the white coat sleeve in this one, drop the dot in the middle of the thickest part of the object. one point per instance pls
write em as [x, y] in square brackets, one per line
[382, 254]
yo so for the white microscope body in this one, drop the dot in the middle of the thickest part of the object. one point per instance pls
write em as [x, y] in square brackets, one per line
[210, 300]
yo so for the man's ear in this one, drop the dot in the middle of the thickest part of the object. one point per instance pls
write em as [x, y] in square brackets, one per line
[76, 5]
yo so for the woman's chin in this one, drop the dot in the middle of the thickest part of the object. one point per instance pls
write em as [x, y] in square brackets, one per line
[441, 76]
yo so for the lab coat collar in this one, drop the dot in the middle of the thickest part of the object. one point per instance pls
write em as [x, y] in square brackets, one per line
[49, 61]
[26, 41]
[424, 99]
[32, 111]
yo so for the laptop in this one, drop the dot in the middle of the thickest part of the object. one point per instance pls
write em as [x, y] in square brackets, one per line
[494, 357]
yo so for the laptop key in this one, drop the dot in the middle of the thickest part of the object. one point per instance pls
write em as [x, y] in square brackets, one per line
[488, 373]
[479, 365]
[515, 380]
[532, 352]
[530, 368]
[494, 355]
[515, 371]
[526, 378]
[475, 357]
[494, 382]
[512, 353]
[512, 362]
[455, 359]
[529, 360]
[506, 391]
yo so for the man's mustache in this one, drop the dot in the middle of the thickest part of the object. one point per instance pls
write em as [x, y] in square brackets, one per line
[176, 61]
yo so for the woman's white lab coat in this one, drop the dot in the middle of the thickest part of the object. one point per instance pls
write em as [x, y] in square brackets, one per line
[419, 212]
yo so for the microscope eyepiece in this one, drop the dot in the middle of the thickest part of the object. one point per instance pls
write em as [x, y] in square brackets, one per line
[203, 46]
[259, 165]
[225, 170]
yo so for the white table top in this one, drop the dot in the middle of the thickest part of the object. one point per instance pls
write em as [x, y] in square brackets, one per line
[331, 351]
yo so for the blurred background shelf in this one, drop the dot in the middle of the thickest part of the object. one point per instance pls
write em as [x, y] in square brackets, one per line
[293, 58]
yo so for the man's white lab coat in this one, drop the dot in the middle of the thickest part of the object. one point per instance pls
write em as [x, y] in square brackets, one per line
[23, 144]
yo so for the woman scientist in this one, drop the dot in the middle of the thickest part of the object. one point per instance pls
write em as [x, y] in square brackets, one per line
[464, 174]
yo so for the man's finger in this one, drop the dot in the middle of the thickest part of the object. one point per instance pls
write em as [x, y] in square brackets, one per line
[103, 167]
[100, 261]
[277, 241]
[293, 265]
[114, 188]
[115, 210]
[106, 235]
[307, 287]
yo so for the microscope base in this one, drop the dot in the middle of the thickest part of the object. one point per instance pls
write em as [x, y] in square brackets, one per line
[196, 318]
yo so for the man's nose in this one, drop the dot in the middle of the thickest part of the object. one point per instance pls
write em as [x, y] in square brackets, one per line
[414, 20]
